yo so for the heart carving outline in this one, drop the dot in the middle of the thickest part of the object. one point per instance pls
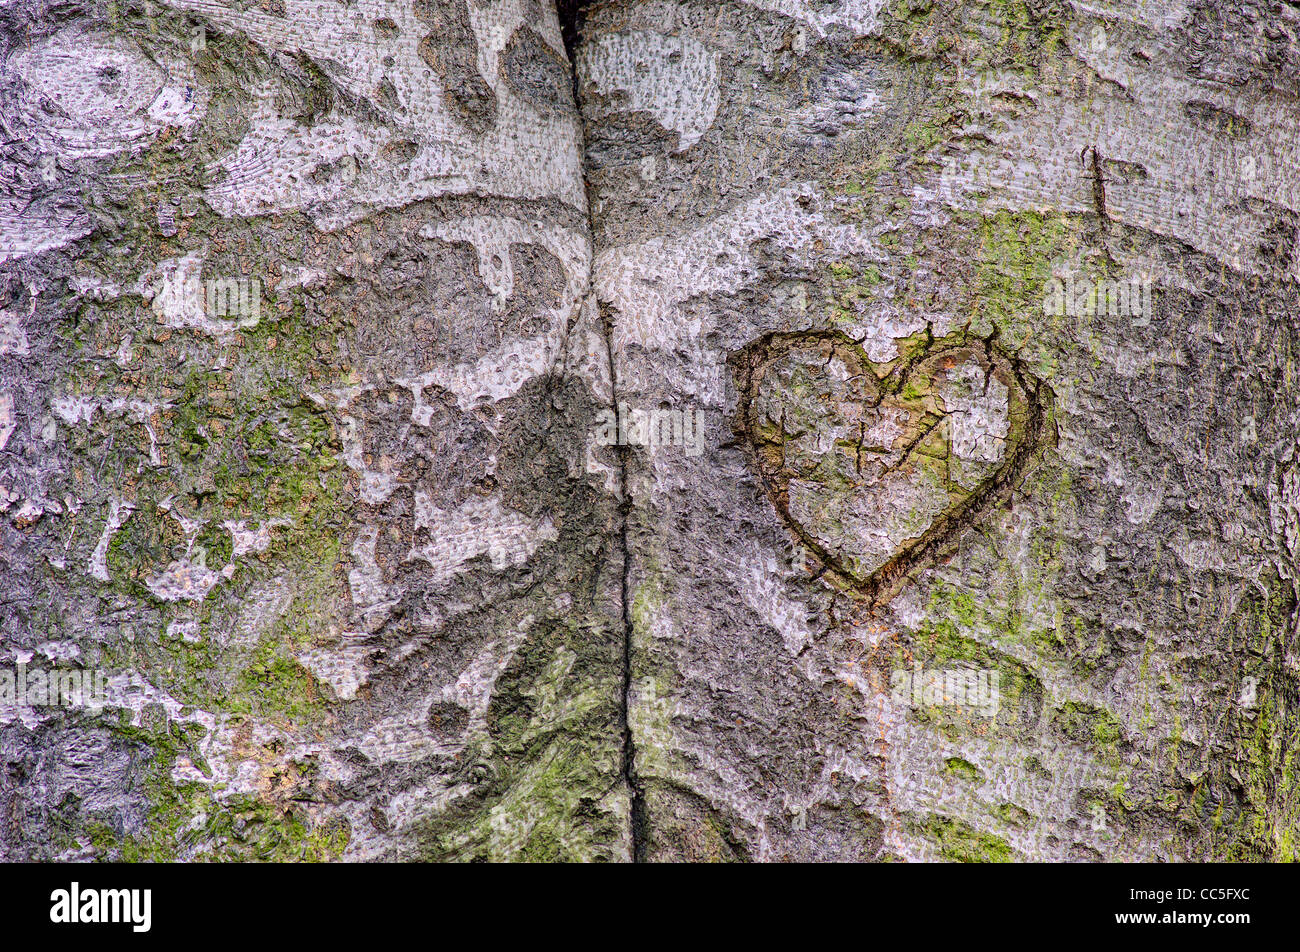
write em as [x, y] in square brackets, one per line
[1029, 402]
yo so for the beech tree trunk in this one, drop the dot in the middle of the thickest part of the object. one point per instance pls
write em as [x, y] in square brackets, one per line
[650, 430]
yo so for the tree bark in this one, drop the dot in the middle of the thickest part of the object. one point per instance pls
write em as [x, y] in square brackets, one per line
[841, 432]
[991, 311]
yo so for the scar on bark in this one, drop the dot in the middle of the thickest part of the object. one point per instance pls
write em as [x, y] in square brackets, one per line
[1098, 180]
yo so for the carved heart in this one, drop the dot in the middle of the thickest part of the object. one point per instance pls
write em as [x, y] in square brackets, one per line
[877, 467]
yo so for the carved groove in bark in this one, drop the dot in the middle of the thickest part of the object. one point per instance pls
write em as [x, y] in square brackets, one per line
[1030, 403]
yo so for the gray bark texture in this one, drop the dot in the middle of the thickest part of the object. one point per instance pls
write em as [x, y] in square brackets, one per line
[647, 430]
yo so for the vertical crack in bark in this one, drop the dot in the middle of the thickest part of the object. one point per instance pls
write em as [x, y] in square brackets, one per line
[635, 792]
[570, 14]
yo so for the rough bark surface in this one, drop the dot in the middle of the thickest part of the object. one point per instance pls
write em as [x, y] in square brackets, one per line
[967, 330]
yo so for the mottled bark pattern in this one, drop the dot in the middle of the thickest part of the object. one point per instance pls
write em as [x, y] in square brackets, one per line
[860, 180]
[356, 593]
[310, 311]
